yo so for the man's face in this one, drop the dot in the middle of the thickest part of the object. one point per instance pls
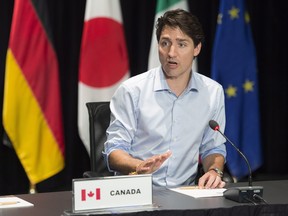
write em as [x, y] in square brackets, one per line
[176, 52]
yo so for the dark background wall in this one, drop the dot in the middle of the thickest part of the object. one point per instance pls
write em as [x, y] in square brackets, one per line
[269, 21]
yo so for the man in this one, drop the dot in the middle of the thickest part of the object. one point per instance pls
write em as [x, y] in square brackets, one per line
[159, 119]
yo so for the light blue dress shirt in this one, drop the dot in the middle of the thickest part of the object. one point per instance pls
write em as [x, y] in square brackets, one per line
[147, 119]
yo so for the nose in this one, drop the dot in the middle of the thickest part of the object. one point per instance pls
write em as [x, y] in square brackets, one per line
[172, 51]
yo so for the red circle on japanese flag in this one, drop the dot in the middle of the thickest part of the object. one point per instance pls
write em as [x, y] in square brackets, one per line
[104, 59]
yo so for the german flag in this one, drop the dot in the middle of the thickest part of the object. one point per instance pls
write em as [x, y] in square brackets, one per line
[32, 116]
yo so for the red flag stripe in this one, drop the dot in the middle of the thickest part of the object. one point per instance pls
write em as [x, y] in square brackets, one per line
[83, 195]
[98, 197]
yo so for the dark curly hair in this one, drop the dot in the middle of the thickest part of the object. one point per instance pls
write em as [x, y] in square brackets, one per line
[187, 22]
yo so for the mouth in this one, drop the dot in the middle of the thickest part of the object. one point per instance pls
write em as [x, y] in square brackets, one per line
[173, 63]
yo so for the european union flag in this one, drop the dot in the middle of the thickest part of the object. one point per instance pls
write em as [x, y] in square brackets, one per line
[234, 66]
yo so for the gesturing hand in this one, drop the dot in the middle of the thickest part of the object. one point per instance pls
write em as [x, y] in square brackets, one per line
[152, 164]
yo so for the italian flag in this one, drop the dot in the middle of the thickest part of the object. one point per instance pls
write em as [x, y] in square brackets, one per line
[103, 59]
[161, 7]
[32, 116]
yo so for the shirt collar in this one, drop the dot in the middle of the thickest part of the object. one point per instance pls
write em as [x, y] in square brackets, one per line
[161, 84]
[193, 83]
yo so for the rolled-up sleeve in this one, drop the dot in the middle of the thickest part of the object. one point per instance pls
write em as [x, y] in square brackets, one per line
[214, 142]
[122, 124]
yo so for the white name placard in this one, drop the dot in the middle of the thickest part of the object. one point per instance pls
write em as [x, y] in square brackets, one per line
[111, 192]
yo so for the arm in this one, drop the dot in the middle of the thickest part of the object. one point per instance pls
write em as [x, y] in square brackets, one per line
[211, 179]
[121, 161]
[213, 161]
[213, 149]
[120, 134]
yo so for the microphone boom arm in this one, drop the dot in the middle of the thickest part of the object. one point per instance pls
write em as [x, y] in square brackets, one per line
[244, 157]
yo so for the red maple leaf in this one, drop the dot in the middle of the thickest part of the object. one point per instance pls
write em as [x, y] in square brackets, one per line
[90, 194]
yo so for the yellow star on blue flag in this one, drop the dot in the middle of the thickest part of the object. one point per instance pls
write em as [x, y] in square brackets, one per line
[248, 86]
[231, 91]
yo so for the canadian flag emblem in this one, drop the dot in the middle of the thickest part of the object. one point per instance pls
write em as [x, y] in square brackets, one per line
[91, 194]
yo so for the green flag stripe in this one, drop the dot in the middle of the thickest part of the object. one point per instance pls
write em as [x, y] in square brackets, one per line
[165, 4]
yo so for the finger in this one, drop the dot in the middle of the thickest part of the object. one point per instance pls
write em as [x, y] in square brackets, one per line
[201, 182]
[155, 162]
[162, 159]
[166, 155]
[143, 170]
[146, 167]
[209, 183]
[216, 183]
[222, 184]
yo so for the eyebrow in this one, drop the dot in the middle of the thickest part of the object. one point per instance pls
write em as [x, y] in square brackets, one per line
[182, 40]
[178, 39]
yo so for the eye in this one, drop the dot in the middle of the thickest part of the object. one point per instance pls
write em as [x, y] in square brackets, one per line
[182, 45]
[164, 43]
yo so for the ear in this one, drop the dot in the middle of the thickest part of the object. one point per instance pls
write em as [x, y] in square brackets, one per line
[197, 49]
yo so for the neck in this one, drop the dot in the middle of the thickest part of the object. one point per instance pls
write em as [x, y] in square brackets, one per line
[178, 84]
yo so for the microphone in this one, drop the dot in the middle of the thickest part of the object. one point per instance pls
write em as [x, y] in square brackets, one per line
[240, 194]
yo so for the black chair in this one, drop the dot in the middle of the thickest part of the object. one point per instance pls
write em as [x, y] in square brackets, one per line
[99, 119]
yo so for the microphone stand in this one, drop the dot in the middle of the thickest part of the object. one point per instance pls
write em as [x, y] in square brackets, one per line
[240, 194]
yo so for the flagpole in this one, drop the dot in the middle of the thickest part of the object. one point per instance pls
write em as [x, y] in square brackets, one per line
[32, 189]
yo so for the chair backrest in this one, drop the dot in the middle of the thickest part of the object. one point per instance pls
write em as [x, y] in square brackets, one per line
[99, 119]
